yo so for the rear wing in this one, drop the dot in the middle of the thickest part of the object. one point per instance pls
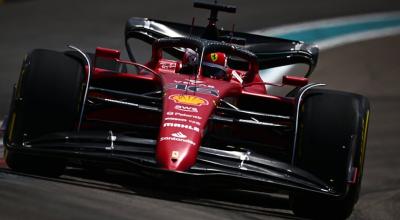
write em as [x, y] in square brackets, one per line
[270, 51]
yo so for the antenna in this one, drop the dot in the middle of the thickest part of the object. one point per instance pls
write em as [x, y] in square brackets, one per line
[211, 31]
[191, 27]
[199, 70]
[190, 35]
[231, 34]
[214, 9]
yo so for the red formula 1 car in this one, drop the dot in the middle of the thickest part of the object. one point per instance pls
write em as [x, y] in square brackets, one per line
[197, 111]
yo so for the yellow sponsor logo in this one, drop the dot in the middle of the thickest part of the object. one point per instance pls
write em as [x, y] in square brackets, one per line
[214, 57]
[188, 100]
[11, 129]
[364, 140]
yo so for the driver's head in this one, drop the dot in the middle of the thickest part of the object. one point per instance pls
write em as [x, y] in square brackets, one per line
[217, 58]
[214, 66]
[190, 59]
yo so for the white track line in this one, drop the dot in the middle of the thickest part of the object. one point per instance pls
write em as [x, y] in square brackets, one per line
[357, 37]
[331, 22]
[336, 22]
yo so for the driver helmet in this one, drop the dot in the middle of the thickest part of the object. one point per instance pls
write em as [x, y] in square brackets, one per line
[214, 65]
[216, 58]
[190, 61]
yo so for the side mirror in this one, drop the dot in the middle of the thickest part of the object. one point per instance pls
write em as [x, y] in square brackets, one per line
[107, 53]
[294, 81]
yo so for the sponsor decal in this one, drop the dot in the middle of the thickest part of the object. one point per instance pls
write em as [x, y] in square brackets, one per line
[176, 125]
[168, 65]
[175, 155]
[179, 135]
[177, 139]
[194, 122]
[190, 82]
[175, 119]
[193, 82]
[214, 57]
[184, 115]
[186, 108]
[195, 88]
[188, 100]
[187, 115]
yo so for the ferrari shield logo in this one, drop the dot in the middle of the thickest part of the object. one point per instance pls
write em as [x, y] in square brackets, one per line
[175, 155]
[214, 57]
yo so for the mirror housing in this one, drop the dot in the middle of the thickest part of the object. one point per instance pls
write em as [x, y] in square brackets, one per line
[294, 81]
[107, 53]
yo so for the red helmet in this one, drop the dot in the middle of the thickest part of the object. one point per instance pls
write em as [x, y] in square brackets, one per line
[216, 58]
[214, 66]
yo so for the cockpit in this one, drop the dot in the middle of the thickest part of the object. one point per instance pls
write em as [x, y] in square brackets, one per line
[204, 58]
[213, 65]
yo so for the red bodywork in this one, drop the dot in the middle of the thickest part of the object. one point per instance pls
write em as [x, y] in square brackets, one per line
[187, 105]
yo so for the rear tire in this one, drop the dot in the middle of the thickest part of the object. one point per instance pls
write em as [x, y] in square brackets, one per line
[47, 99]
[331, 142]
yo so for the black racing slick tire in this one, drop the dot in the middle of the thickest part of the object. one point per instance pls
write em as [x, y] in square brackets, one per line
[331, 145]
[46, 100]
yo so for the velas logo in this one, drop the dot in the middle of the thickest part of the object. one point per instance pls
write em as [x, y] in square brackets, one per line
[188, 100]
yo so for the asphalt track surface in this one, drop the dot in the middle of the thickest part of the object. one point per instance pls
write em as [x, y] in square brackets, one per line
[371, 68]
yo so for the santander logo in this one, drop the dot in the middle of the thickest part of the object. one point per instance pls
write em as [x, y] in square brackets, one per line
[178, 135]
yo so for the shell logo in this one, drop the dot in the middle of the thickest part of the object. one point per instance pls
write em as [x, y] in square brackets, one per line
[188, 100]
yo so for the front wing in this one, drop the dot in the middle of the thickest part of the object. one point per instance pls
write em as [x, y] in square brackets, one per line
[214, 167]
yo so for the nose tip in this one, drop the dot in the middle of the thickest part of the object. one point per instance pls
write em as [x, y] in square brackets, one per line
[175, 156]
[173, 163]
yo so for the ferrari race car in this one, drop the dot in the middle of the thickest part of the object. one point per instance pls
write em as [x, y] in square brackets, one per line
[198, 111]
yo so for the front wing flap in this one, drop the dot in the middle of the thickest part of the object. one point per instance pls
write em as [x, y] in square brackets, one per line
[242, 170]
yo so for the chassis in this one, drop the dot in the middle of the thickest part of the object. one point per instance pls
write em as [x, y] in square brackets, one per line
[73, 108]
